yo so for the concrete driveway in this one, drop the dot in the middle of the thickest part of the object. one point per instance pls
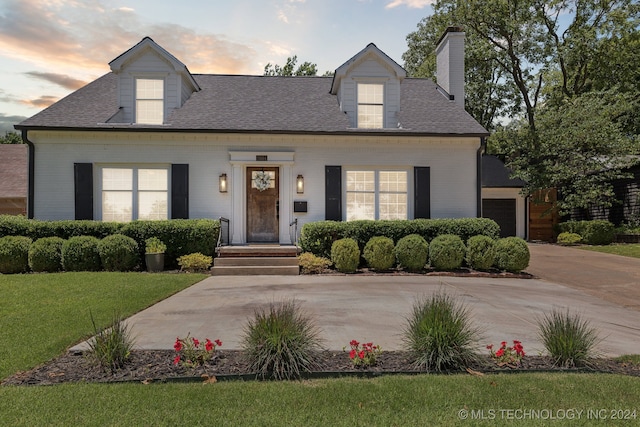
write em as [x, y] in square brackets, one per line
[374, 308]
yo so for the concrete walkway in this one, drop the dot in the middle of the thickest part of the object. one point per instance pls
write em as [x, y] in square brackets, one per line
[374, 308]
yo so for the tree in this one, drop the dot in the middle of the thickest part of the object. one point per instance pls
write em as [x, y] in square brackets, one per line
[573, 116]
[289, 69]
[582, 147]
[11, 138]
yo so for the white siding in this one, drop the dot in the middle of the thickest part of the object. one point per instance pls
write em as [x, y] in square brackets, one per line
[452, 162]
[371, 70]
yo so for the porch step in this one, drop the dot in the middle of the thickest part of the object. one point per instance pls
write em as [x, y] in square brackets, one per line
[254, 260]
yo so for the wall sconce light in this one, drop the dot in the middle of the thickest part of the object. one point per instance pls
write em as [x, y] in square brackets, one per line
[222, 183]
[300, 184]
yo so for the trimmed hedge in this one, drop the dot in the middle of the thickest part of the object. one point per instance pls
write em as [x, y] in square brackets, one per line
[512, 254]
[317, 237]
[80, 253]
[378, 252]
[596, 232]
[119, 253]
[481, 253]
[14, 254]
[45, 255]
[412, 252]
[345, 255]
[182, 236]
[446, 252]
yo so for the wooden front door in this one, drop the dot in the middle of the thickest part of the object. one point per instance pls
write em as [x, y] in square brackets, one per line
[262, 205]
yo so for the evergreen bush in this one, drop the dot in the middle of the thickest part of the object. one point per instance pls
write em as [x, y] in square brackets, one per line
[512, 254]
[446, 252]
[80, 253]
[45, 255]
[412, 252]
[378, 252]
[596, 232]
[345, 255]
[481, 252]
[119, 253]
[195, 262]
[568, 239]
[14, 254]
[311, 264]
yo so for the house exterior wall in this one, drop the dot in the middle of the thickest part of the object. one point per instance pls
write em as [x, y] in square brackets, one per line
[511, 193]
[149, 65]
[370, 71]
[452, 163]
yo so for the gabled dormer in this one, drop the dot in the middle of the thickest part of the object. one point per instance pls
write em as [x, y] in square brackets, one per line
[151, 84]
[368, 89]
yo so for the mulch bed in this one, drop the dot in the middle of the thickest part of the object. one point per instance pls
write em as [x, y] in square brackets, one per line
[148, 366]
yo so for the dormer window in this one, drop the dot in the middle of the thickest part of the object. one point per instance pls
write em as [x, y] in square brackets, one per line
[150, 101]
[370, 105]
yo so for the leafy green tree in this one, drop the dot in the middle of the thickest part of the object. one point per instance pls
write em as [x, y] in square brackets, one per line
[11, 138]
[289, 69]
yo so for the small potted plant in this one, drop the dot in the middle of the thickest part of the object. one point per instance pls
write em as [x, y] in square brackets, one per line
[154, 254]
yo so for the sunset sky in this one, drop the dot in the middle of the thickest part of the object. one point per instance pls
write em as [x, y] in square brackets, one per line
[49, 48]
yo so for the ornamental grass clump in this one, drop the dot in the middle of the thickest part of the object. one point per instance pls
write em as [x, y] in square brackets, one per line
[440, 334]
[568, 338]
[111, 346]
[281, 341]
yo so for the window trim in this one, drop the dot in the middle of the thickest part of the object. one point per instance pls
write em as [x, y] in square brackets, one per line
[161, 77]
[98, 179]
[382, 105]
[377, 192]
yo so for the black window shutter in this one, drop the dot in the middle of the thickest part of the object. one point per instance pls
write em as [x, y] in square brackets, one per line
[83, 188]
[333, 193]
[422, 192]
[179, 191]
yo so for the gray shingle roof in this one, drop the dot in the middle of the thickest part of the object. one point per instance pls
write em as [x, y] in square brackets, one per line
[230, 103]
[496, 175]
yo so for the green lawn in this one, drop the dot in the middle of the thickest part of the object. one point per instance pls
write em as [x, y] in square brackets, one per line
[624, 249]
[387, 401]
[43, 314]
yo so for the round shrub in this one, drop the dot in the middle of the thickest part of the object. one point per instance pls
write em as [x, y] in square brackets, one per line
[80, 253]
[512, 254]
[14, 254]
[45, 255]
[412, 252]
[446, 252]
[481, 252]
[118, 253]
[378, 252]
[345, 255]
[568, 239]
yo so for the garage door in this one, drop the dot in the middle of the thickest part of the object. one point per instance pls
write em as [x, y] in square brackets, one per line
[502, 211]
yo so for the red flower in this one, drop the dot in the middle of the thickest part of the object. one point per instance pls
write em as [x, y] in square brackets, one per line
[208, 345]
[218, 343]
[361, 354]
[196, 343]
[178, 345]
[503, 344]
[490, 346]
[354, 343]
[176, 360]
[500, 352]
[352, 354]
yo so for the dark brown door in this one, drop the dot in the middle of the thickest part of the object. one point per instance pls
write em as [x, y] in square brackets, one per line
[262, 205]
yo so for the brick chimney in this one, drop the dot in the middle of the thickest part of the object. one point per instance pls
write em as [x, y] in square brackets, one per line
[450, 63]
